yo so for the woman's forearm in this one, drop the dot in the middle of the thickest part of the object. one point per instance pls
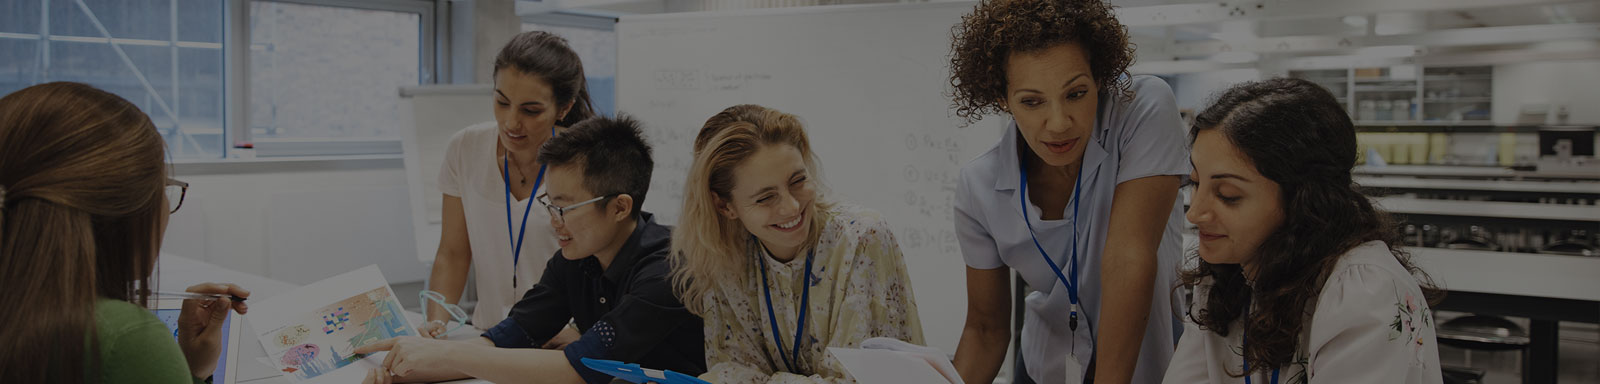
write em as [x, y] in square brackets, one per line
[1127, 283]
[449, 278]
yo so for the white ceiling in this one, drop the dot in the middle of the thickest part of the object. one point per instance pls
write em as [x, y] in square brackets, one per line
[1389, 22]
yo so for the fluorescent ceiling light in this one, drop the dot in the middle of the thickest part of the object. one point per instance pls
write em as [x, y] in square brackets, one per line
[1358, 21]
[1235, 31]
[1566, 46]
[1558, 14]
[1388, 51]
[1235, 57]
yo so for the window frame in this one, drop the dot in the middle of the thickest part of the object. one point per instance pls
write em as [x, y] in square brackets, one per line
[433, 67]
[237, 32]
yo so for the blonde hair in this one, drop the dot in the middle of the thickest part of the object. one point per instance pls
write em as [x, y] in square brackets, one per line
[84, 181]
[708, 247]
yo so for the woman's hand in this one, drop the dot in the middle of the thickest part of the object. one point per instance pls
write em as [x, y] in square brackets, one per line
[433, 329]
[200, 325]
[560, 341]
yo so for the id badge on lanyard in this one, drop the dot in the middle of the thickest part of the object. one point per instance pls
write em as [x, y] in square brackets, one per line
[516, 234]
[1074, 370]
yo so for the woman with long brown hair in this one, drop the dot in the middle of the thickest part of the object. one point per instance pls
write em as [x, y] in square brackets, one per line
[491, 176]
[82, 211]
[1300, 277]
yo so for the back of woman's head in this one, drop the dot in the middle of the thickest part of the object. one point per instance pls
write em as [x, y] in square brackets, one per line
[716, 248]
[1295, 133]
[83, 178]
[547, 56]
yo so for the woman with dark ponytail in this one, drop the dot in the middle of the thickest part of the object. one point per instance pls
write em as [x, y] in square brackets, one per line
[490, 177]
[1300, 278]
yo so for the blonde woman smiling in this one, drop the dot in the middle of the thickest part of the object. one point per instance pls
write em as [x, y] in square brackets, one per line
[778, 272]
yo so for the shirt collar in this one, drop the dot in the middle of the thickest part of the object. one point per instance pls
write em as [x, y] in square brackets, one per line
[631, 251]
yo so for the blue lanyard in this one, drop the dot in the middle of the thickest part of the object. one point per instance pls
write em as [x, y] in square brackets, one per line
[1244, 339]
[516, 239]
[805, 301]
[1072, 283]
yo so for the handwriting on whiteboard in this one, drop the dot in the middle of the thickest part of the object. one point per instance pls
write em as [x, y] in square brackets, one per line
[683, 79]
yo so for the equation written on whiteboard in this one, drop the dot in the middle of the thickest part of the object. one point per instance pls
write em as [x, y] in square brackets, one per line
[677, 79]
[736, 81]
[921, 238]
[938, 204]
[694, 80]
[928, 141]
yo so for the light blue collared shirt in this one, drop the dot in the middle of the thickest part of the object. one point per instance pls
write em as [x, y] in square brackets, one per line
[1131, 140]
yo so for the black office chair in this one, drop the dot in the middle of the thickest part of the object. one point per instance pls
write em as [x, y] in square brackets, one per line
[1479, 333]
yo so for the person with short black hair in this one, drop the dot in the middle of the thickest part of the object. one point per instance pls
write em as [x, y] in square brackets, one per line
[610, 279]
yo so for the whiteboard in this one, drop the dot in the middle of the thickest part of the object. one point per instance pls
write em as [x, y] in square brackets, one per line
[868, 81]
[437, 113]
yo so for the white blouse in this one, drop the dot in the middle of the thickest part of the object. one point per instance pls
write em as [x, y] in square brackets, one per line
[472, 172]
[1370, 324]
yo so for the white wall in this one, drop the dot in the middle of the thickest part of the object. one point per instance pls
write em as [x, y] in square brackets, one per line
[1575, 83]
[298, 222]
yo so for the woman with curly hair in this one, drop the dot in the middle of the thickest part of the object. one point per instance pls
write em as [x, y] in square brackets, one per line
[1093, 158]
[1300, 278]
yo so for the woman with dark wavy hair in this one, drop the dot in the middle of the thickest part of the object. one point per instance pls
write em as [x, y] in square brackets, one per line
[1300, 277]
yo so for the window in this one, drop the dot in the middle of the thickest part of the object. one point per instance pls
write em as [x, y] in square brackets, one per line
[170, 62]
[317, 69]
[330, 72]
[596, 44]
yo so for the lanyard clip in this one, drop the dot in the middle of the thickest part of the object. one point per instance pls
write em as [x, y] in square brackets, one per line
[1072, 321]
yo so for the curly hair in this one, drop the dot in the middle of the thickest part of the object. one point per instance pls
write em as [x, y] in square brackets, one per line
[1297, 135]
[996, 29]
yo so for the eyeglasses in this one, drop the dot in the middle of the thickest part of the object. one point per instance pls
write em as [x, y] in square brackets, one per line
[455, 311]
[559, 213]
[176, 191]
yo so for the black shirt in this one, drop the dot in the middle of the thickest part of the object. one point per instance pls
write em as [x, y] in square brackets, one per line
[627, 312]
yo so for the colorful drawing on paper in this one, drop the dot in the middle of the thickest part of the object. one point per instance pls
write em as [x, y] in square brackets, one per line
[292, 335]
[346, 325]
[335, 321]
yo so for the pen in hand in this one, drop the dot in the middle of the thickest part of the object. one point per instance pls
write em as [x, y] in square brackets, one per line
[197, 296]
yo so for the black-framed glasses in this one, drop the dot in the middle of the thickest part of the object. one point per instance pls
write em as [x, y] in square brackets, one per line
[176, 191]
[559, 213]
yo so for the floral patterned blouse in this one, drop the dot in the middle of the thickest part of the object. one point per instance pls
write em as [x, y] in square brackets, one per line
[859, 290]
[1370, 324]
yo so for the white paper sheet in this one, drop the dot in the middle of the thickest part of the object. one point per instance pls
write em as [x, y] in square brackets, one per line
[879, 366]
[308, 333]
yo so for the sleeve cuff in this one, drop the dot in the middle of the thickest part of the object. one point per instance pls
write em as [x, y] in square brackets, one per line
[587, 348]
[508, 334]
[592, 345]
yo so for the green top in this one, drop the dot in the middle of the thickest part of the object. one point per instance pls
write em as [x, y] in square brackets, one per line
[136, 347]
